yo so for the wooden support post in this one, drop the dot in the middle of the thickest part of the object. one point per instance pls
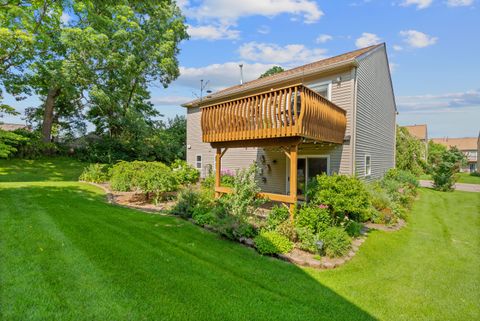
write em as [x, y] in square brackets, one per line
[293, 178]
[218, 169]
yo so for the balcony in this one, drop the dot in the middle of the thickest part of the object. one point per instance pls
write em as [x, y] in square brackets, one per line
[289, 112]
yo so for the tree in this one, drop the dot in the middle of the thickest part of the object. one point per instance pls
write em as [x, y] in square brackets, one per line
[8, 140]
[409, 152]
[435, 152]
[272, 71]
[444, 172]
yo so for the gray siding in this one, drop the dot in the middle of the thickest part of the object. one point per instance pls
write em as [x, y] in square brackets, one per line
[375, 115]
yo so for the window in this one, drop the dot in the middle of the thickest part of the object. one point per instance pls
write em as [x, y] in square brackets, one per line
[198, 162]
[324, 89]
[368, 165]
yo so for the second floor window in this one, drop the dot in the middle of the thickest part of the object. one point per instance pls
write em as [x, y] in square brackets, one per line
[324, 89]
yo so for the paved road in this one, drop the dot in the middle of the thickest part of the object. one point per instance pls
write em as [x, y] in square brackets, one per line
[458, 186]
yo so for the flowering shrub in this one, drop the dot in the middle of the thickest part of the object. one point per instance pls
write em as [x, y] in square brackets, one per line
[184, 172]
[344, 195]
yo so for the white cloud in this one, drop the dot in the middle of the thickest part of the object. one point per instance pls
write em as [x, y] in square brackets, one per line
[459, 3]
[230, 11]
[273, 53]
[448, 101]
[263, 30]
[421, 4]
[169, 100]
[220, 75]
[323, 38]
[397, 48]
[417, 39]
[211, 32]
[367, 39]
[65, 18]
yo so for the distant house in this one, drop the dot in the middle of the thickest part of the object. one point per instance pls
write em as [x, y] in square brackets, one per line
[468, 145]
[12, 127]
[421, 133]
[336, 115]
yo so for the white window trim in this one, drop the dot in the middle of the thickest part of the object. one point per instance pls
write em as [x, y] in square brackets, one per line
[306, 157]
[365, 165]
[329, 88]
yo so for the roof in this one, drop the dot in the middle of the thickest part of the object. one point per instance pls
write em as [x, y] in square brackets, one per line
[418, 131]
[12, 127]
[349, 58]
[464, 143]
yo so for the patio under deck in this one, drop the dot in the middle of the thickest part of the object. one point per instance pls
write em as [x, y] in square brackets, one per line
[280, 117]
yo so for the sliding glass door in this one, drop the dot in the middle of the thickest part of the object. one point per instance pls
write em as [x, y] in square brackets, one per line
[308, 167]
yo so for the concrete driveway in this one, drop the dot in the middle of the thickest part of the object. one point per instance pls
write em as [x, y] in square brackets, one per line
[459, 186]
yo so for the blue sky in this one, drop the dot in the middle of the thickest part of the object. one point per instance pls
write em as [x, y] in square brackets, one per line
[433, 50]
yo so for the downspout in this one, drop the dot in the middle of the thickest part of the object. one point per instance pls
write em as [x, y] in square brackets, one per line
[354, 122]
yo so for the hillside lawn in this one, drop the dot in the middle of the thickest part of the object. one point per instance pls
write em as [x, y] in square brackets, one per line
[66, 254]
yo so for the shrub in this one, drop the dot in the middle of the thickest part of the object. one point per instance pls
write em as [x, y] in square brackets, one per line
[277, 215]
[187, 201]
[353, 229]
[379, 196]
[315, 217]
[203, 215]
[234, 227]
[156, 178]
[243, 201]
[123, 175]
[344, 195]
[385, 216]
[95, 173]
[336, 242]
[306, 240]
[271, 242]
[226, 180]
[287, 229]
[402, 176]
[184, 172]
[444, 173]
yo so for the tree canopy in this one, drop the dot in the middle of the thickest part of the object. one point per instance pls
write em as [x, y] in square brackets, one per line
[272, 71]
[409, 152]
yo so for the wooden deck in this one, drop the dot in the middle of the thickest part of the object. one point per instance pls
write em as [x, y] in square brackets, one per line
[294, 111]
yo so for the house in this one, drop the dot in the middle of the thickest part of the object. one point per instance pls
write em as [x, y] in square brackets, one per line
[11, 127]
[467, 145]
[420, 132]
[336, 115]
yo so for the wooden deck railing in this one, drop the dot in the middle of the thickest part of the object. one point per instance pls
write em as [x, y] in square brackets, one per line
[283, 112]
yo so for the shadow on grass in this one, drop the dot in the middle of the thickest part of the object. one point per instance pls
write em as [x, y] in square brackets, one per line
[66, 254]
[47, 169]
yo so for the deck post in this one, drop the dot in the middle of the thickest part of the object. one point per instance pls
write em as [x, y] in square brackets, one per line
[218, 169]
[293, 178]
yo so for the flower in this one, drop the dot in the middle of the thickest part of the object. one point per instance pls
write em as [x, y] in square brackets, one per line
[322, 206]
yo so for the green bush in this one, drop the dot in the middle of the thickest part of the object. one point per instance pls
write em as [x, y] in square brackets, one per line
[187, 201]
[148, 177]
[184, 172]
[344, 195]
[315, 217]
[306, 240]
[402, 176]
[277, 215]
[95, 173]
[271, 242]
[336, 242]
[353, 229]
[287, 229]
[444, 173]
[226, 180]
[203, 215]
[123, 175]
[157, 179]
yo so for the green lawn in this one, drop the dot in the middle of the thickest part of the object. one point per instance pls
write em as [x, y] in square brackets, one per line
[462, 178]
[66, 254]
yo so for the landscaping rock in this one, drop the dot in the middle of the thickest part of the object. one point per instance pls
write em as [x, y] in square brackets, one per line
[328, 265]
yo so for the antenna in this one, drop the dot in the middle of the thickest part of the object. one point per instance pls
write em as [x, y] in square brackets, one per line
[202, 88]
[241, 73]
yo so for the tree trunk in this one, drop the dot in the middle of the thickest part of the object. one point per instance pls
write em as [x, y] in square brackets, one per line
[48, 114]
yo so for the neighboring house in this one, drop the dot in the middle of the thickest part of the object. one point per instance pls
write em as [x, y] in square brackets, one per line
[420, 132]
[468, 145]
[336, 115]
[478, 153]
[12, 127]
